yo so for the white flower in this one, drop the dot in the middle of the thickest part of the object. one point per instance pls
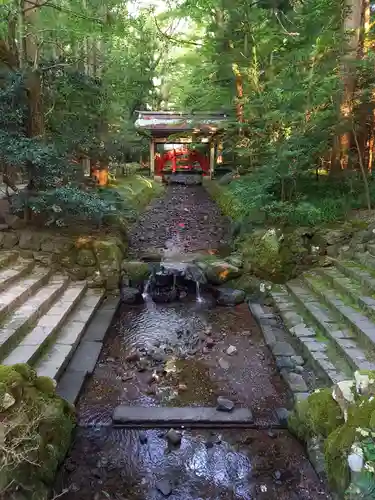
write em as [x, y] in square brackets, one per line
[262, 287]
[317, 391]
[263, 488]
[370, 468]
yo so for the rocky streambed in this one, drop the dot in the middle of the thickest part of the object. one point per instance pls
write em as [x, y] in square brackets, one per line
[187, 352]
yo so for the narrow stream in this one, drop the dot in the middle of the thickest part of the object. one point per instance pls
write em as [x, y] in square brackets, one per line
[184, 353]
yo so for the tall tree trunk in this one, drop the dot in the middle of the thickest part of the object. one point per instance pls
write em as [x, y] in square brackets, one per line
[353, 25]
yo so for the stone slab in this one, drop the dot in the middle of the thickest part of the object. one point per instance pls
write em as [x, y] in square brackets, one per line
[85, 357]
[135, 416]
[70, 385]
[103, 317]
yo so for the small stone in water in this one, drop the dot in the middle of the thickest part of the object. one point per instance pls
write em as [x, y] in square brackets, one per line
[224, 364]
[132, 357]
[224, 404]
[277, 475]
[182, 387]
[164, 486]
[209, 444]
[174, 437]
[271, 434]
[231, 350]
[298, 369]
[210, 343]
[127, 377]
[142, 365]
[142, 437]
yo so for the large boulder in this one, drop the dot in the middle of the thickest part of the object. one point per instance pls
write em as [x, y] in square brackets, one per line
[36, 430]
[131, 295]
[136, 272]
[229, 296]
[218, 271]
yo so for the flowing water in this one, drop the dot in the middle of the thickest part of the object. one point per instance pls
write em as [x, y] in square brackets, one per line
[184, 346]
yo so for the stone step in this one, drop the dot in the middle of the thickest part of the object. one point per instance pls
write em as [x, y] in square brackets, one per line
[293, 300]
[16, 294]
[344, 341]
[34, 344]
[54, 362]
[354, 319]
[354, 271]
[24, 317]
[371, 249]
[350, 290]
[7, 257]
[9, 275]
[366, 260]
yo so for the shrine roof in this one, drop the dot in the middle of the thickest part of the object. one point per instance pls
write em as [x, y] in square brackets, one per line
[164, 123]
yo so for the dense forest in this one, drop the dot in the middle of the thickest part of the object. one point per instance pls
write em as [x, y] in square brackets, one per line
[296, 79]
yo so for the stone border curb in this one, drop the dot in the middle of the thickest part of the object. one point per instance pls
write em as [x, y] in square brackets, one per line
[287, 360]
[87, 354]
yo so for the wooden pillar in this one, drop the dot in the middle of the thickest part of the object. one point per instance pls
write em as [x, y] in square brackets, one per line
[212, 158]
[152, 158]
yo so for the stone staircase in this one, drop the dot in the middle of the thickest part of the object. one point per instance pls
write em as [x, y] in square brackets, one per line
[43, 315]
[330, 312]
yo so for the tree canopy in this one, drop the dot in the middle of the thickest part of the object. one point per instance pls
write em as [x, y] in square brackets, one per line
[295, 78]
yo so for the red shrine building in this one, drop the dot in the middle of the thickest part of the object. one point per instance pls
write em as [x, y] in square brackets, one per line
[182, 142]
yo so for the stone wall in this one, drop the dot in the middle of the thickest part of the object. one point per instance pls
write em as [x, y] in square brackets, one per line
[96, 258]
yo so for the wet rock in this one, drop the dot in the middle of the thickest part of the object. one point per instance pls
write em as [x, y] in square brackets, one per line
[205, 350]
[229, 296]
[299, 369]
[282, 416]
[132, 357]
[131, 295]
[223, 363]
[209, 444]
[126, 377]
[210, 343]
[174, 437]
[165, 487]
[298, 360]
[219, 272]
[295, 381]
[224, 404]
[285, 362]
[277, 475]
[142, 365]
[231, 350]
[143, 437]
[158, 355]
[182, 387]
[271, 434]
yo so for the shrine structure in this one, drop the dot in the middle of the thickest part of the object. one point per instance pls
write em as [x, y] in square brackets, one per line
[173, 136]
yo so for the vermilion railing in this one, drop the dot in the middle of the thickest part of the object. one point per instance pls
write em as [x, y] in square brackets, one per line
[173, 156]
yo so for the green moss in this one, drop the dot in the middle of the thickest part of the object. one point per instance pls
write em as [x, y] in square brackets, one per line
[359, 414]
[135, 271]
[336, 451]
[27, 372]
[45, 385]
[10, 377]
[318, 415]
